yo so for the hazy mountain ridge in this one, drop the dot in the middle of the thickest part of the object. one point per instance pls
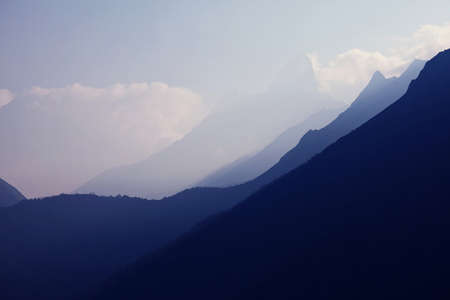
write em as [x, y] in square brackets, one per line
[247, 169]
[203, 201]
[379, 94]
[222, 137]
[9, 195]
[380, 176]
[55, 139]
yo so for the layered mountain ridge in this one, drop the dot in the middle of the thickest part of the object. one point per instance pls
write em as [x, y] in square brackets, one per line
[247, 168]
[228, 133]
[383, 184]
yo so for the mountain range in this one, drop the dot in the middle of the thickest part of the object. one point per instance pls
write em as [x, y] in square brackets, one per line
[72, 233]
[250, 166]
[56, 247]
[238, 126]
[379, 94]
[367, 218]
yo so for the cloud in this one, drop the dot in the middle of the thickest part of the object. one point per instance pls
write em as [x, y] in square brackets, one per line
[349, 72]
[139, 114]
[425, 43]
[68, 135]
[5, 97]
[346, 75]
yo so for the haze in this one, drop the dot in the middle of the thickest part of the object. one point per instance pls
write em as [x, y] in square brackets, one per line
[87, 86]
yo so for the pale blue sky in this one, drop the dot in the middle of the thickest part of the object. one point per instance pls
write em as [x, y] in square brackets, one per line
[201, 45]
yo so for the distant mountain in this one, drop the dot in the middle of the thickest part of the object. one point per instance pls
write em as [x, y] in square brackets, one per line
[57, 247]
[247, 168]
[235, 128]
[9, 195]
[365, 219]
[52, 140]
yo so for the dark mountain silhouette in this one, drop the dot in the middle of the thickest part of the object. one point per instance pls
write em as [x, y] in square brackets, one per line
[9, 195]
[372, 208]
[25, 272]
[247, 168]
[56, 247]
[235, 128]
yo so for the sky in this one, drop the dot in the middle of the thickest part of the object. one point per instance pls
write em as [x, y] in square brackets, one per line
[206, 46]
[135, 76]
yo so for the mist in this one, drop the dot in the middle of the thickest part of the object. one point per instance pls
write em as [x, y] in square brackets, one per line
[240, 124]
[53, 140]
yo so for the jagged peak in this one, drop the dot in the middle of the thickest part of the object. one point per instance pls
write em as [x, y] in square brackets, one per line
[415, 67]
[377, 76]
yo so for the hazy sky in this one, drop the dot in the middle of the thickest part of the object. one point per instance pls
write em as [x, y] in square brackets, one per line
[206, 46]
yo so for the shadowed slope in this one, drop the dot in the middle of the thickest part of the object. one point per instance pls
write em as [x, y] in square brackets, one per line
[56, 247]
[390, 169]
[379, 94]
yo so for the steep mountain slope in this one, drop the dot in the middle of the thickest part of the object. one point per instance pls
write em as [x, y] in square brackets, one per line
[379, 94]
[233, 129]
[9, 195]
[389, 172]
[247, 169]
[57, 247]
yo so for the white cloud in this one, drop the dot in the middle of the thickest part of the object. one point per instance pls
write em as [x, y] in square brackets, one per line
[425, 43]
[5, 97]
[68, 135]
[346, 75]
[139, 114]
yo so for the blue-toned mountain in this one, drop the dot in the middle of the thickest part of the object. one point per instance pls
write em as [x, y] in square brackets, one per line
[247, 168]
[239, 125]
[389, 178]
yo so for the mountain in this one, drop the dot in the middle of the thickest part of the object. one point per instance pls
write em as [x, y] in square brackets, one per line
[379, 94]
[57, 247]
[9, 195]
[247, 168]
[32, 265]
[372, 208]
[235, 128]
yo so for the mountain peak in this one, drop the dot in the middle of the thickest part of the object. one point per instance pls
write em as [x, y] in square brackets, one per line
[377, 77]
[414, 68]
[297, 72]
